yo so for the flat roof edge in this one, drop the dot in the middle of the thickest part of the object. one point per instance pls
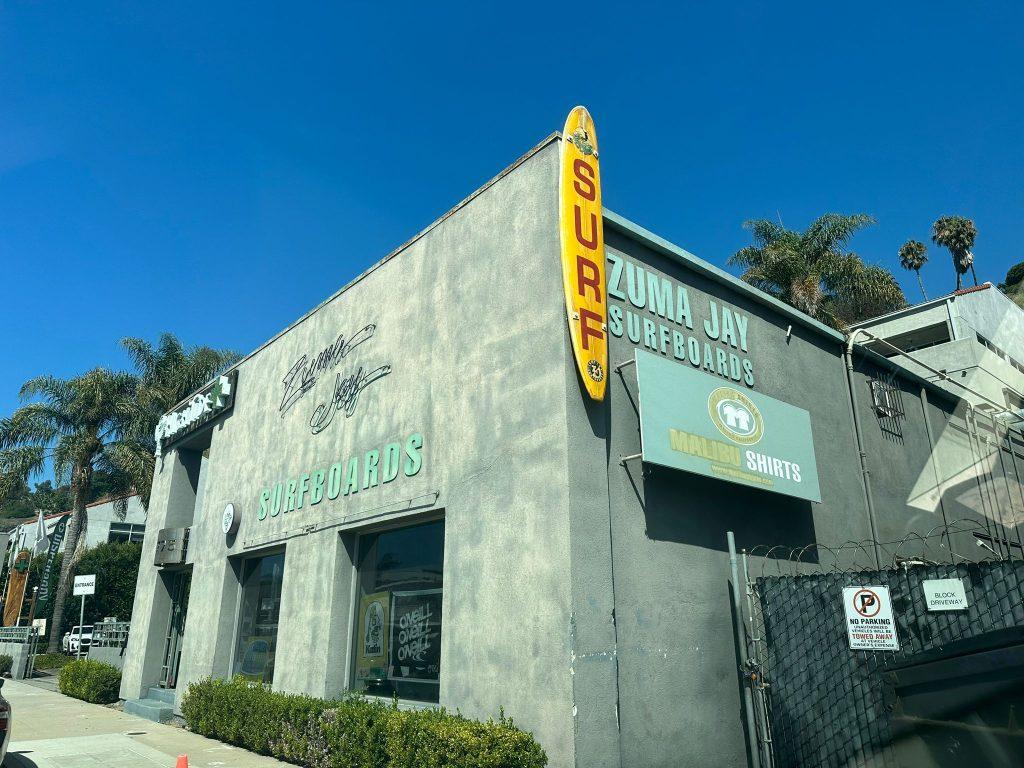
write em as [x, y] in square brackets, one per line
[663, 246]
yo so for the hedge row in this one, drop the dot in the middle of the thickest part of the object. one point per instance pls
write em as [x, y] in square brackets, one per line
[6, 663]
[91, 681]
[52, 660]
[352, 732]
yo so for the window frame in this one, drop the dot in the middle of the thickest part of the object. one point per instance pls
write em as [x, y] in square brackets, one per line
[238, 563]
[353, 618]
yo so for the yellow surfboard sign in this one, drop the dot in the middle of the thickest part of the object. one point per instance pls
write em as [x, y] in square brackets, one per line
[583, 265]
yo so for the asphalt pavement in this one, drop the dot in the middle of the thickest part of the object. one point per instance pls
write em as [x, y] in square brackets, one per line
[54, 731]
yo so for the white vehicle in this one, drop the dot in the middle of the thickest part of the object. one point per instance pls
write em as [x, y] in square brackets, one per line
[80, 636]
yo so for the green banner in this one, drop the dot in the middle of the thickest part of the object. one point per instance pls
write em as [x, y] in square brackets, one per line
[695, 422]
[46, 583]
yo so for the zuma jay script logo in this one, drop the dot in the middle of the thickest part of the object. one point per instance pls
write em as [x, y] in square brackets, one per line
[735, 416]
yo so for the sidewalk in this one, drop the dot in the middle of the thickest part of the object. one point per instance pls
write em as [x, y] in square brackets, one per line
[55, 731]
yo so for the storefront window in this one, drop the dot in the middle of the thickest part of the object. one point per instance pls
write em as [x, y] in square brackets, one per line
[398, 624]
[261, 607]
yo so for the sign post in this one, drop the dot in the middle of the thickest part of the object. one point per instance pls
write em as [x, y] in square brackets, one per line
[84, 585]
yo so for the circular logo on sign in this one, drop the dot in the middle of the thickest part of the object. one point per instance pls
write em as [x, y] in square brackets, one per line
[229, 522]
[595, 370]
[736, 416]
[866, 603]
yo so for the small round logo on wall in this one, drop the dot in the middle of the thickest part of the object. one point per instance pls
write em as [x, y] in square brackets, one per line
[230, 520]
[735, 416]
[595, 370]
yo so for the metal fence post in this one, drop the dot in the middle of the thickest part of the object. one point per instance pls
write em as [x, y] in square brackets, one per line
[748, 695]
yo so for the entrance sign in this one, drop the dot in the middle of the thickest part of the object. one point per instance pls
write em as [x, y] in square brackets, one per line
[581, 222]
[869, 622]
[85, 585]
[693, 421]
[944, 594]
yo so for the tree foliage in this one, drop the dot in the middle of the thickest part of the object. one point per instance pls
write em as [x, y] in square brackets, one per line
[76, 424]
[23, 503]
[1013, 285]
[957, 234]
[913, 256]
[813, 272]
[167, 374]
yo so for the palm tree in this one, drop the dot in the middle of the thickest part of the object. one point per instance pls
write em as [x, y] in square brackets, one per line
[168, 373]
[957, 233]
[912, 256]
[78, 424]
[812, 271]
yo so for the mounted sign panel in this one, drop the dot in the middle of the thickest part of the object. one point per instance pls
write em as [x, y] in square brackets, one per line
[691, 421]
[581, 222]
[171, 546]
[944, 594]
[869, 622]
[213, 401]
[85, 585]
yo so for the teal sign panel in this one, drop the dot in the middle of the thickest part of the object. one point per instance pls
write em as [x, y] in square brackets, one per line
[696, 422]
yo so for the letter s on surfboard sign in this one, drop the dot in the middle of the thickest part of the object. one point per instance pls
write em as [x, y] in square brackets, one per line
[582, 233]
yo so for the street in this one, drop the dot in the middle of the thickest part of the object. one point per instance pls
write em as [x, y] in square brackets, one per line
[55, 731]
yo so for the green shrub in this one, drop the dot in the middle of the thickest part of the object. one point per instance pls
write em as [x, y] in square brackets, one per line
[52, 660]
[352, 732]
[6, 662]
[90, 681]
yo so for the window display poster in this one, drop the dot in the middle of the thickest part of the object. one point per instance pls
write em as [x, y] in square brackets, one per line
[415, 643]
[257, 658]
[372, 657]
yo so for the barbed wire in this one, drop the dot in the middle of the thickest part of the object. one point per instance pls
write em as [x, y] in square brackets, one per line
[934, 547]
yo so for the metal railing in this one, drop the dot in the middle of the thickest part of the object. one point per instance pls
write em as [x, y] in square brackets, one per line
[110, 634]
[15, 634]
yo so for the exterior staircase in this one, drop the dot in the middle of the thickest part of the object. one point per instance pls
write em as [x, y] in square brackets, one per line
[158, 705]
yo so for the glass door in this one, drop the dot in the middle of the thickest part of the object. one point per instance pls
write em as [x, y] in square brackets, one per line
[180, 583]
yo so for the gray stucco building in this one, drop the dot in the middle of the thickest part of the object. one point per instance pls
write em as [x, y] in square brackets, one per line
[974, 337]
[423, 503]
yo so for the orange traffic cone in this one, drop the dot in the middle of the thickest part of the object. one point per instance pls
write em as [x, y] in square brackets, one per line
[182, 762]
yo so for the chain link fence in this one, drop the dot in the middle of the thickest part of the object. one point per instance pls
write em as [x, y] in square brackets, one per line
[815, 702]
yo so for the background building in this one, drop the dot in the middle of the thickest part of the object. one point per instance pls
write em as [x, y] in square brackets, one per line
[975, 337]
[107, 522]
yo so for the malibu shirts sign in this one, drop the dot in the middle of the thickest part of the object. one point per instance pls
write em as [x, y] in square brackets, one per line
[693, 421]
[196, 412]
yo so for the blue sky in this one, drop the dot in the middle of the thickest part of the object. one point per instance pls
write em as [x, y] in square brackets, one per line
[216, 169]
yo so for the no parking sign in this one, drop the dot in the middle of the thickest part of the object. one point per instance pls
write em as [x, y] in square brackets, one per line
[869, 622]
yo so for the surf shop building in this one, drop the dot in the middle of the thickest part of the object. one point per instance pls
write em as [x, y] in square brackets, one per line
[497, 470]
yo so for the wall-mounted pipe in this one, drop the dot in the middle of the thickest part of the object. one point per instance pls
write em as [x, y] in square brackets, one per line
[865, 473]
[748, 696]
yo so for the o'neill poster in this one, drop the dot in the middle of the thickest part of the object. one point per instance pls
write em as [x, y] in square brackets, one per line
[372, 658]
[415, 644]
